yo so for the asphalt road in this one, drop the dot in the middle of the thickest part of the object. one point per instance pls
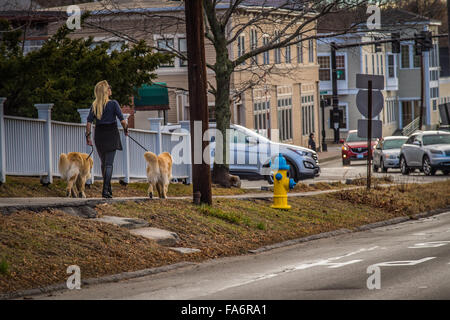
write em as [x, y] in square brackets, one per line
[414, 258]
[335, 171]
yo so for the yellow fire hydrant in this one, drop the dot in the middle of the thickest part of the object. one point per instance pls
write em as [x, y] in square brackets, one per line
[281, 183]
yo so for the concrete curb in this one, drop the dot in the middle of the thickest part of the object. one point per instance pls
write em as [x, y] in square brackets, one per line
[92, 281]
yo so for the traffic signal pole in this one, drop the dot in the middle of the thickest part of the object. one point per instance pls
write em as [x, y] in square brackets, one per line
[335, 98]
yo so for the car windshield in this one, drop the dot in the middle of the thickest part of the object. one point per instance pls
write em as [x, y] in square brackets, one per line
[353, 137]
[436, 139]
[393, 144]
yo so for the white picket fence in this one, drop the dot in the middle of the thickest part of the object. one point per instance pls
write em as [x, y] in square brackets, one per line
[31, 147]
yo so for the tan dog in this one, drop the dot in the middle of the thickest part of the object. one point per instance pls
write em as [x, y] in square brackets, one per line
[159, 172]
[75, 168]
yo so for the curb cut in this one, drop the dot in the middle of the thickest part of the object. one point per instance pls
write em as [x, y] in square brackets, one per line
[101, 280]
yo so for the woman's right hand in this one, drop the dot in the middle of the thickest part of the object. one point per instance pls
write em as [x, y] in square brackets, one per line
[89, 141]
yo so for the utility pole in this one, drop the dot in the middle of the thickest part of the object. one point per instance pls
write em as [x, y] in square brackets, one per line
[448, 30]
[335, 97]
[322, 106]
[198, 101]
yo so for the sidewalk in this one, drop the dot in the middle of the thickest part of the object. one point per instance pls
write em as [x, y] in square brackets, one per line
[333, 153]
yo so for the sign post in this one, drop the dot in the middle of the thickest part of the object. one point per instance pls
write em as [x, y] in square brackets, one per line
[369, 135]
[369, 103]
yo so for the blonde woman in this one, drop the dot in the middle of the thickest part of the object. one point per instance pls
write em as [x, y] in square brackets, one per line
[107, 140]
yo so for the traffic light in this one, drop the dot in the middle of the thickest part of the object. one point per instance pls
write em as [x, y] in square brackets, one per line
[418, 44]
[377, 45]
[427, 42]
[396, 42]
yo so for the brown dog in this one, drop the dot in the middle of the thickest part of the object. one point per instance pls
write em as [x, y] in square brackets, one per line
[159, 172]
[75, 168]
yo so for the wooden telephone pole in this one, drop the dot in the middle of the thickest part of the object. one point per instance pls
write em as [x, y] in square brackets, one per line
[198, 101]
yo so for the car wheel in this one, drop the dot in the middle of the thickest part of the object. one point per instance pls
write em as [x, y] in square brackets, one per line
[446, 172]
[269, 178]
[374, 167]
[426, 167]
[345, 162]
[383, 168]
[292, 173]
[404, 166]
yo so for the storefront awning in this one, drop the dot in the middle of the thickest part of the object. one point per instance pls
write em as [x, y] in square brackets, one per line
[152, 97]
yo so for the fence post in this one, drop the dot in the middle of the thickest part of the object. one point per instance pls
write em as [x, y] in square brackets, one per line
[83, 116]
[2, 143]
[45, 112]
[155, 125]
[186, 126]
[126, 153]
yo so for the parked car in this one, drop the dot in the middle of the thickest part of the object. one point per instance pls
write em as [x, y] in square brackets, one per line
[427, 151]
[387, 153]
[252, 154]
[355, 148]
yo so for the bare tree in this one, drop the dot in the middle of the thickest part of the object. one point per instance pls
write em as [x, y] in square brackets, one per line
[295, 22]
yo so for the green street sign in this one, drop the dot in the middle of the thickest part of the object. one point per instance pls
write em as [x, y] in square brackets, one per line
[323, 92]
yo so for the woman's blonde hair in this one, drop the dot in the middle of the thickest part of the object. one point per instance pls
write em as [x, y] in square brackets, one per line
[101, 98]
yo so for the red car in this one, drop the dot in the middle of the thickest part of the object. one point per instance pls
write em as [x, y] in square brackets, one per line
[355, 148]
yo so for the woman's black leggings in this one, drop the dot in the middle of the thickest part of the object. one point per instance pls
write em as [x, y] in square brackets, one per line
[107, 159]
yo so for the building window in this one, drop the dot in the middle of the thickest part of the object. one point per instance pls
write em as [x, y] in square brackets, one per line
[373, 64]
[434, 93]
[367, 64]
[277, 50]
[241, 46]
[417, 61]
[300, 50]
[182, 48]
[266, 54]
[391, 107]
[285, 117]
[324, 69]
[405, 56]
[308, 114]
[166, 44]
[288, 54]
[261, 111]
[381, 65]
[391, 66]
[254, 44]
[311, 50]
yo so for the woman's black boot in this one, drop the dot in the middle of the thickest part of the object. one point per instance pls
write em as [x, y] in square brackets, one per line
[107, 182]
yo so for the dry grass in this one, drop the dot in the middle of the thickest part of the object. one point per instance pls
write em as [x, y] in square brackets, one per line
[35, 249]
[31, 187]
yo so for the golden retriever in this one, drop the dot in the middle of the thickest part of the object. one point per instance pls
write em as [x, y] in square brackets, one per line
[75, 168]
[159, 172]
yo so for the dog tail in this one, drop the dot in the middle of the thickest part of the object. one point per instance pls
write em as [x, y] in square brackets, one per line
[151, 157]
[63, 165]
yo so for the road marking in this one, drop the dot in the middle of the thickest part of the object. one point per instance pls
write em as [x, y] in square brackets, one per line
[403, 263]
[432, 244]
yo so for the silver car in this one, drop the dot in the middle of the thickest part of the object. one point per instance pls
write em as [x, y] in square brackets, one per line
[387, 153]
[427, 151]
[252, 153]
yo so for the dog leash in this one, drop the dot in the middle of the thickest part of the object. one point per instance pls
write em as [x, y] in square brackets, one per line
[90, 153]
[140, 145]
